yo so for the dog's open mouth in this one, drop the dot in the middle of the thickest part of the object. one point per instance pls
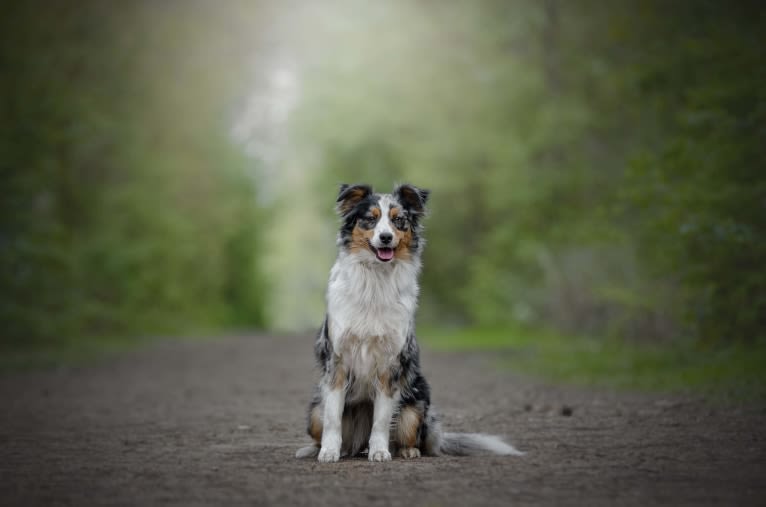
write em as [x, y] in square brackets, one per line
[384, 254]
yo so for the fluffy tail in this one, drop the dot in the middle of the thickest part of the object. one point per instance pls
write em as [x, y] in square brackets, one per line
[471, 444]
[454, 444]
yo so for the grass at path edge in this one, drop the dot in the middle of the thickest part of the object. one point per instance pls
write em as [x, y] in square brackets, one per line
[733, 371]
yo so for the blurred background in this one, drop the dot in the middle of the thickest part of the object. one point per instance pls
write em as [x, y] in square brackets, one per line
[597, 173]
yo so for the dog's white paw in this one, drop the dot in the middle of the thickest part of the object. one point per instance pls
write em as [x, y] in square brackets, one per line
[410, 453]
[379, 455]
[328, 455]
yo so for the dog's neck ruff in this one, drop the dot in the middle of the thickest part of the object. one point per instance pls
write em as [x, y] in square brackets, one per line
[372, 300]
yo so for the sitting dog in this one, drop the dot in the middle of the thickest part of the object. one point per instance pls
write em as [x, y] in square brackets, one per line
[372, 394]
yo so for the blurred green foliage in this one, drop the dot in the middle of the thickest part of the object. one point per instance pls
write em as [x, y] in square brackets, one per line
[125, 209]
[595, 167]
[702, 190]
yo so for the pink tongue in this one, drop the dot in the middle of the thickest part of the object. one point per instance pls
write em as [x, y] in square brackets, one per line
[386, 253]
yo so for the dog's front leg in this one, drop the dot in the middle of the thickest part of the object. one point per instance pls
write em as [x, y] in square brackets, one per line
[332, 416]
[334, 400]
[381, 425]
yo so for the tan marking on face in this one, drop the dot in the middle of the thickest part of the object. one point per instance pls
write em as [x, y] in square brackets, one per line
[315, 424]
[360, 237]
[407, 428]
[404, 239]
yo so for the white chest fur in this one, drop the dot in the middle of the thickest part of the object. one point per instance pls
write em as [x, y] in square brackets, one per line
[370, 309]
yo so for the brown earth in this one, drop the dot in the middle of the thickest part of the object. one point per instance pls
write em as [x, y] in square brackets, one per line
[217, 423]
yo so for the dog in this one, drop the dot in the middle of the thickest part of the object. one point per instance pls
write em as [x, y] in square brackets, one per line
[372, 394]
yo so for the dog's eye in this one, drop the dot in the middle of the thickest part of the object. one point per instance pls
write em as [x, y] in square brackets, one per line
[400, 222]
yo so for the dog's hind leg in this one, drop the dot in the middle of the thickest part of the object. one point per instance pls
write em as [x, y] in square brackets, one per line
[406, 431]
[310, 451]
[314, 428]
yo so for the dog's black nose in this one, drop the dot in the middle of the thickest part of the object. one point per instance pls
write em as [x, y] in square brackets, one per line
[386, 237]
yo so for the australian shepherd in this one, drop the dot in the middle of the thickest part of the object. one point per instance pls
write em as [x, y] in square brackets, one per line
[372, 395]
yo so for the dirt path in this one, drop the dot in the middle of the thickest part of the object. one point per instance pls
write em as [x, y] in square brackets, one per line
[186, 423]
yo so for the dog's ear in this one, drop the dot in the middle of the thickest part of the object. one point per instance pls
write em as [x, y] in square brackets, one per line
[412, 198]
[349, 196]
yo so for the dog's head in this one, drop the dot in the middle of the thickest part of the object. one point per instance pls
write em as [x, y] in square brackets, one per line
[381, 227]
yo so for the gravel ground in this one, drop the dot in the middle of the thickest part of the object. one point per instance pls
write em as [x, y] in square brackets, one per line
[218, 422]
